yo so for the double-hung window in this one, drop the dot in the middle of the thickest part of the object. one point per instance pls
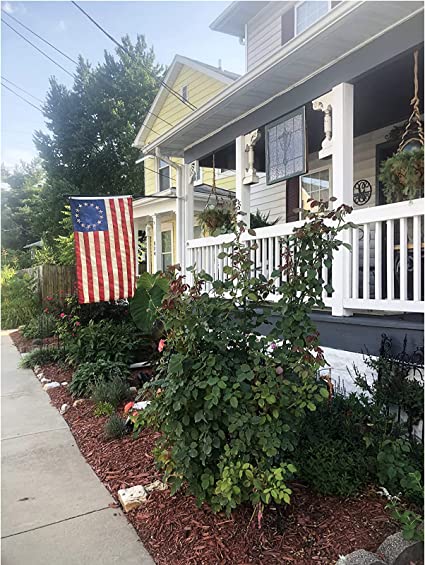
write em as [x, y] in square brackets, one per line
[307, 13]
[316, 186]
[167, 249]
[164, 175]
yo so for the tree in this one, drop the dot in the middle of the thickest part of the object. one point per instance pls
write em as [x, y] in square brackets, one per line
[92, 128]
[20, 193]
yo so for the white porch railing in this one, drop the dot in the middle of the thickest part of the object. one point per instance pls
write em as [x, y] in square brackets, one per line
[385, 267]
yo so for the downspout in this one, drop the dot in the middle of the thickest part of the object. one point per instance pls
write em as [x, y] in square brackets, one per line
[180, 235]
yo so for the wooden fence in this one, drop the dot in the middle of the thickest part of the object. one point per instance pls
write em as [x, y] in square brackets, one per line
[50, 280]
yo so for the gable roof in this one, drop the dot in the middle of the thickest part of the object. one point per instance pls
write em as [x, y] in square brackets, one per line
[226, 77]
[233, 19]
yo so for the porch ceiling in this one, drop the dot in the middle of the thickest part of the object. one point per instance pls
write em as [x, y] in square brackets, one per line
[348, 28]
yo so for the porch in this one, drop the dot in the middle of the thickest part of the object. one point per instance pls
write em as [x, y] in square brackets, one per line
[350, 131]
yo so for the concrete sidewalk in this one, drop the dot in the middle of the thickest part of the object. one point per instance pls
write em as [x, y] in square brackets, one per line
[54, 508]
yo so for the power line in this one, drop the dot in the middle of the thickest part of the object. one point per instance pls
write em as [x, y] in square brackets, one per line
[23, 90]
[21, 97]
[164, 84]
[40, 37]
[38, 49]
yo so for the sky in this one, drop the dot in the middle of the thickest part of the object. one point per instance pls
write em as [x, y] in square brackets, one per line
[170, 27]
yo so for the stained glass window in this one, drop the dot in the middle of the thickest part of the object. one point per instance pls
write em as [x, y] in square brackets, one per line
[285, 147]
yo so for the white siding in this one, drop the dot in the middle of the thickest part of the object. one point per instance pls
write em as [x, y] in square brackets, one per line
[269, 199]
[264, 32]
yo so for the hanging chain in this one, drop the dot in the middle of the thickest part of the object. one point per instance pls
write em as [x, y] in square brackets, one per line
[414, 121]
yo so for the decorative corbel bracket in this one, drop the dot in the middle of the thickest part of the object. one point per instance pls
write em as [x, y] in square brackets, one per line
[324, 104]
[251, 139]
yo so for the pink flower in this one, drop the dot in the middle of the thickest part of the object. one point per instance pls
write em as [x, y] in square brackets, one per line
[273, 346]
[49, 298]
[78, 323]
[62, 315]
[46, 310]
[128, 407]
[161, 345]
[279, 371]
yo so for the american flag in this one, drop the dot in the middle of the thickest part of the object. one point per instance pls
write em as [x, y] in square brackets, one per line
[104, 247]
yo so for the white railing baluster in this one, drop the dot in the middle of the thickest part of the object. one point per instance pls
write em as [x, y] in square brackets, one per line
[270, 258]
[417, 252]
[378, 260]
[277, 259]
[264, 257]
[390, 260]
[366, 261]
[355, 264]
[403, 258]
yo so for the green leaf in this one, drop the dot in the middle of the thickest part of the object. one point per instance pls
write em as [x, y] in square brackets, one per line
[233, 401]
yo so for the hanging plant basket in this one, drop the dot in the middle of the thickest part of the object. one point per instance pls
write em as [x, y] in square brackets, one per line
[217, 219]
[402, 176]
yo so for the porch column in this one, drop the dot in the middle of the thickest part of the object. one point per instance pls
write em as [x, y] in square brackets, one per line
[180, 235]
[149, 246]
[242, 190]
[342, 185]
[189, 211]
[157, 243]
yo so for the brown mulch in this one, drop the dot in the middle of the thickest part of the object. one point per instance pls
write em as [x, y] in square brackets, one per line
[313, 529]
[24, 344]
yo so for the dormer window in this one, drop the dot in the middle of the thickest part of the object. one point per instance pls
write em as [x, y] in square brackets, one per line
[185, 93]
[307, 13]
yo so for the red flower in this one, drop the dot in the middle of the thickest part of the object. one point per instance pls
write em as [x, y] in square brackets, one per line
[78, 323]
[128, 407]
[62, 315]
[161, 345]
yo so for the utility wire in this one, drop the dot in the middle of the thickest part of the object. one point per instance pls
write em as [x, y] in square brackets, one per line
[22, 89]
[41, 38]
[164, 84]
[21, 97]
[38, 49]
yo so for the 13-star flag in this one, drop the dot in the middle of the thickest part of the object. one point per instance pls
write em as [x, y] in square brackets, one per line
[104, 247]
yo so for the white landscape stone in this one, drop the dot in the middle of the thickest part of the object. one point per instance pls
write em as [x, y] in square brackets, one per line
[141, 405]
[156, 485]
[64, 383]
[132, 497]
[64, 409]
[45, 380]
[78, 402]
[49, 386]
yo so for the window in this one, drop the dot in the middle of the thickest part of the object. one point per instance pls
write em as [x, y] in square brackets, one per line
[185, 92]
[164, 175]
[314, 185]
[307, 13]
[167, 249]
[285, 147]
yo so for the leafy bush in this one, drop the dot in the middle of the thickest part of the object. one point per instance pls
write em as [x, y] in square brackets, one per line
[108, 341]
[394, 464]
[40, 357]
[147, 300]
[104, 409]
[114, 392]
[40, 327]
[233, 402]
[19, 298]
[330, 468]
[115, 427]
[90, 374]
[402, 176]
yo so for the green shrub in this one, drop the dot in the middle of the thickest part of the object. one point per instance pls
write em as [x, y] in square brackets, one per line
[331, 468]
[90, 374]
[104, 409]
[114, 392]
[113, 342]
[19, 299]
[231, 409]
[40, 357]
[115, 427]
[394, 464]
[40, 327]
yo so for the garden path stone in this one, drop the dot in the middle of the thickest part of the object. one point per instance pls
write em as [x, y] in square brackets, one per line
[54, 508]
[398, 551]
[360, 557]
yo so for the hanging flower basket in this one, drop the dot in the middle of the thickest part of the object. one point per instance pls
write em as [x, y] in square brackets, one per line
[402, 176]
[218, 219]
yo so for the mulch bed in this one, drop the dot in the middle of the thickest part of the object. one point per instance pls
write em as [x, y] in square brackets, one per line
[24, 344]
[313, 529]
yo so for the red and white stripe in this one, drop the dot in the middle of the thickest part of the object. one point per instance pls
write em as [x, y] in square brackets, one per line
[106, 260]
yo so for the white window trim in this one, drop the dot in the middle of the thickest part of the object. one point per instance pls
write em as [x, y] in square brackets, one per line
[158, 167]
[297, 5]
[312, 172]
[168, 226]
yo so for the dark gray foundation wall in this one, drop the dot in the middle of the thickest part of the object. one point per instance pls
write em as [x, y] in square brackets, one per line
[362, 333]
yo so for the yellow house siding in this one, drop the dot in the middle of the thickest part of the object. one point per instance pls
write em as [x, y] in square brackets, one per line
[228, 182]
[201, 88]
[151, 175]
